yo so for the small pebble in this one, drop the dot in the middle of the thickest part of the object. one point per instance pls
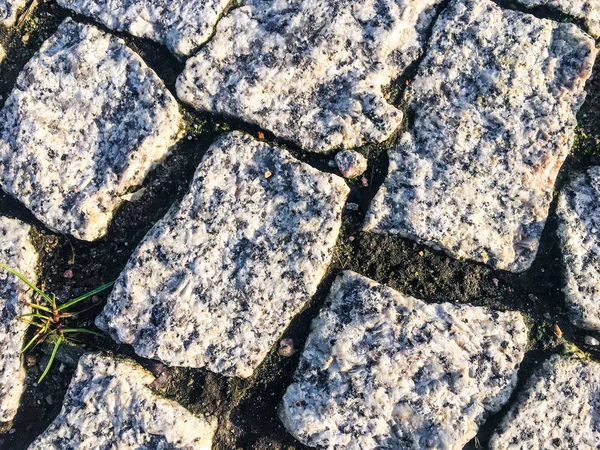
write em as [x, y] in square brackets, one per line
[589, 340]
[364, 182]
[331, 163]
[495, 281]
[557, 331]
[351, 238]
[68, 273]
[30, 360]
[49, 400]
[286, 348]
[351, 164]
[268, 174]
[12, 431]
[260, 135]
[352, 206]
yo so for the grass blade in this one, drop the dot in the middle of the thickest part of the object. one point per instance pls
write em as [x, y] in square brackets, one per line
[81, 330]
[27, 282]
[39, 316]
[51, 360]
[35, 337]
[36, 306]
[29, 322]
[84, 296]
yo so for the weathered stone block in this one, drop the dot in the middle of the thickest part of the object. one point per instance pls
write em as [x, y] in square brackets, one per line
[84, 124]
[219, 278]
[578, 214]
[494, 105]
[181, 25]
[560, 408]
[16, 250]
[109, 405]
[382, 370]
[310, 72]
[587, 11]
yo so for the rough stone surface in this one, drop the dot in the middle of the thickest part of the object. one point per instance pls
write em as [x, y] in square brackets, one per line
[16, 251]
[494, 106]
[84, 124]
[586, 10]
[578, 214]
[351, 164]
[9, 10]
[2, 54]
[381, 370]
[218, 279]
[311, 72]
[560, 409]
[181, 25]
[109, 405]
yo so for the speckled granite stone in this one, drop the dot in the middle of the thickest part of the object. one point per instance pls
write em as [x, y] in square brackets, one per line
[578, 214]
[109, 406]
[219, 278]
[382, 370]
[310, 72]
[351, 164]
[559, 409]
[586, 10]
[181, 25]
[85, 122]
[9, 10]
[494, 106]
[17, 251]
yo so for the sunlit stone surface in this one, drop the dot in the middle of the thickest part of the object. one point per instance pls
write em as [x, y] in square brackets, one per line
[560, 408]
[181, 25]
[578, 214]
[494, 105]
[16, 250]
[382, 370]
[218, 279]
[109, 405]
[587, 11]
[310, 72]
[84, 124]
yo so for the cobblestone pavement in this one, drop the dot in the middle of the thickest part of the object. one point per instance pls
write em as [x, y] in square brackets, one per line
[338, 224]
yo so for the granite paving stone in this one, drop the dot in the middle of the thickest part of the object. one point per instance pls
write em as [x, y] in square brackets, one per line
[110, 406]
[587, 11]
[494, 105]
[85, 123]
[17, 251]
[383, 370]
[182, 25]
[219, 278]
[578, 213]
[559, 409]
[311, 72]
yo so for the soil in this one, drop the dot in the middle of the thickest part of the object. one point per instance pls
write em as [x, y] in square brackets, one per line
[247, 408]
